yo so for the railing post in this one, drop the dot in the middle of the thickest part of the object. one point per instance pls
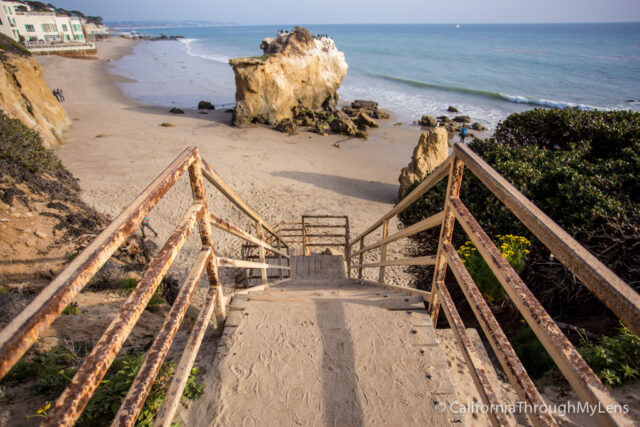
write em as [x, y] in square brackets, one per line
[280, 259]
[347, 247]
[361, 258]
[304, 238]
[446, 233]
[383, 250]
[261, 251]
[204, 225]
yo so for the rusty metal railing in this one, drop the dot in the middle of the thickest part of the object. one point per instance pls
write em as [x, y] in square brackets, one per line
[319, 233]
[620, 298]
[18, 336]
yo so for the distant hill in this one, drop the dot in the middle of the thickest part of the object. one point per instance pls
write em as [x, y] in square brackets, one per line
[161, 24]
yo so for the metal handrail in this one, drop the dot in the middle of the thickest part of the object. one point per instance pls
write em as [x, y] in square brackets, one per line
[609, 288]
[18, 336]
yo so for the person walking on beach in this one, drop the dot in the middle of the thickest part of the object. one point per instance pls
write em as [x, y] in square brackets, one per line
[463, 134]
[147, 224]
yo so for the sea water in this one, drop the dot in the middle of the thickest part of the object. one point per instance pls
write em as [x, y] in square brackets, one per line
[486, 71]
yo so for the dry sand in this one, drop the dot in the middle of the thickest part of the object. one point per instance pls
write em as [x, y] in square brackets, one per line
[117, 146]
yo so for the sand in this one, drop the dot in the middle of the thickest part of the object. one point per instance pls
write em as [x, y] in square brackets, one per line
[116, 146]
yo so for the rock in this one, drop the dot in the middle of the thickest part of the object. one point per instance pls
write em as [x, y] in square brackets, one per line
[369, 105]
[205, 105]
[364, 121]
[343, 125]
[462, 119]
[176, 111]
[229, 110]
[297, 70]
[337, 145]
[428, 121]
[397, 124]
[40, 234]
[380, 114]
[432, 149]
[478, 126]
[167, 125]
[452, 109]
[362, 134]
[24, 95]
[287, 126]
[444, 119]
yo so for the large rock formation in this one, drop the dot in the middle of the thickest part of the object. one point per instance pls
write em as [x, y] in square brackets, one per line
[297, 70]
[432, 149]
[25, 95]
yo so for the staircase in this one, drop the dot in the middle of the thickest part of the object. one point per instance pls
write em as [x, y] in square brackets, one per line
[315, 350]
[316, 346]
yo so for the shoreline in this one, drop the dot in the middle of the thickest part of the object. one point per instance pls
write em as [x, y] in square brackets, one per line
[116, 146]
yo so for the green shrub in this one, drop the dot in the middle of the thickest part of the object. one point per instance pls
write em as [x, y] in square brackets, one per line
[24, 147]
[614, 359]
[531, 353]
[590, 187]
[53, 372]
[71, 309]
[128, 284]
[513, 248]
[113, 388]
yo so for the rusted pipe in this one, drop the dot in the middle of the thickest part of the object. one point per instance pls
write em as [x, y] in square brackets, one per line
[24, 329]
[75, 397]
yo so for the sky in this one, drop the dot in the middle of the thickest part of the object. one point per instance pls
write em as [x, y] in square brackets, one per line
[256, 12]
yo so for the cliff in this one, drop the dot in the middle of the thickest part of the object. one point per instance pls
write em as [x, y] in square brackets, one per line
[25, 95]
[432, 149]
[297, 70]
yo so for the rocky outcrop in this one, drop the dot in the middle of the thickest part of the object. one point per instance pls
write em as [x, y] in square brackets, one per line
[24, 95]
[432, 149]
[297, 70]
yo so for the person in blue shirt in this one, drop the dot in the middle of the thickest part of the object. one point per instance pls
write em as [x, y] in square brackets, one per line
[147, 224]
[463, 134]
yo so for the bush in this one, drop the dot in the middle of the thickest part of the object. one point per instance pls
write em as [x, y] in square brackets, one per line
[53, 372]
[614, 359]
[531, 353]
[23, 146]
[581, 168]
[513, 248]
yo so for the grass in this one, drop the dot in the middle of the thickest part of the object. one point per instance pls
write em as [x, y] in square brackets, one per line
[71, 309]
[52, 372]
[23, 146]
[9, 45]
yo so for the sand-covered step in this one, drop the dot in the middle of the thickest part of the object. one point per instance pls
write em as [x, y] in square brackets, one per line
[326, 353]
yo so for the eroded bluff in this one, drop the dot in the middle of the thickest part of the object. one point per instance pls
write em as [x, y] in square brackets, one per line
[24, 95]
[296, 70]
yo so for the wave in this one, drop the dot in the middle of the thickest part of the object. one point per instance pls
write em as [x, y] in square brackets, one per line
[191, 52]
[517, 99]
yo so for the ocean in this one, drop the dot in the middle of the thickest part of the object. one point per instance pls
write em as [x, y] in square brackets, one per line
[486, 71]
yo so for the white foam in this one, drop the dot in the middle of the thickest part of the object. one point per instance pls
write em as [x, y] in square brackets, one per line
[191, 52]
[550, 103]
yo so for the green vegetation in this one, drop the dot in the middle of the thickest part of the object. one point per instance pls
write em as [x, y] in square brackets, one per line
[7, 44]
[23, 146]
[531, 353]
[513, 248]
[581, 168]
[128, 285]
[615, 359]
[71, 309]
[53, 371]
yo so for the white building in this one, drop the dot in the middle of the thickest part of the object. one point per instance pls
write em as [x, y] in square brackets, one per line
[8, 22]
[22, 24]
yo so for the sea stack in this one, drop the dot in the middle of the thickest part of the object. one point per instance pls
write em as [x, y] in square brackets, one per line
[431, 151]
[296, 70]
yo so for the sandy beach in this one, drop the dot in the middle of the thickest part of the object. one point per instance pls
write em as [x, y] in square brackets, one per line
[116, 146]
